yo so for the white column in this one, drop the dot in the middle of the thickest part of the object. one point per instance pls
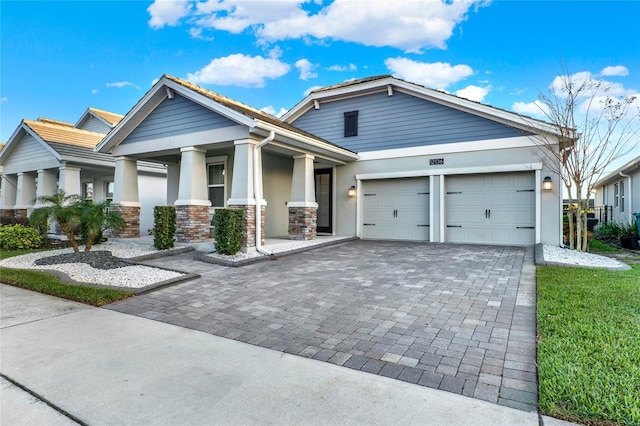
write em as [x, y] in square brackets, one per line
[192, 190]
[173, 183]
[26, 193]
[46, 184]
[69, 180]
[9, 191]
[242, 180]
[303, 193]
[125, 183]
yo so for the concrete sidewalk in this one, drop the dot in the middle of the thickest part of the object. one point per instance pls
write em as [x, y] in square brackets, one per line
[104, 367]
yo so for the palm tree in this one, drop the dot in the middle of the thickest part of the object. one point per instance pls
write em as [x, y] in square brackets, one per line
[63, 209]
[97, 217]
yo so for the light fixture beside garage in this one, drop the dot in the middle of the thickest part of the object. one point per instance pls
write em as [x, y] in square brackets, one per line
[351, 192]
[547, 184]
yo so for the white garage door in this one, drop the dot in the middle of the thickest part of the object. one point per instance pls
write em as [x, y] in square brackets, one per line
[396, 209]
[491, 208]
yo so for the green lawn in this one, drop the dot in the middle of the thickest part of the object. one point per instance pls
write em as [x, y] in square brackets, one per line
[589, 344]
[49, 284]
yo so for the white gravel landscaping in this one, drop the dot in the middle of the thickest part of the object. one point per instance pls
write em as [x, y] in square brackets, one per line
[135, 276]
[579, 258]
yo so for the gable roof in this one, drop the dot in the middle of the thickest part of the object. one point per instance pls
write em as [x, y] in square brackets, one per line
[389, 83]
[62, 139]
[108, 118]
[232, 109]
[626, 168]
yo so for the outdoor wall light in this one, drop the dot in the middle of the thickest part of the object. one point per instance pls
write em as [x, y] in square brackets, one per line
[351, 192]
[547, 184]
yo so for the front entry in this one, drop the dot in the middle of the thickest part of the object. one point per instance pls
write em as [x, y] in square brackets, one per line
[324, 197]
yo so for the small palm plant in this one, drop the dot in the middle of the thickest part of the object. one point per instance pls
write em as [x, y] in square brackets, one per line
[98, 217]
[63, 209]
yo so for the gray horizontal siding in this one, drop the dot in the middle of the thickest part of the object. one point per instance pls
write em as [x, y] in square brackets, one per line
[94, 125]
[398, 121]
[28, 151]
[177, 116]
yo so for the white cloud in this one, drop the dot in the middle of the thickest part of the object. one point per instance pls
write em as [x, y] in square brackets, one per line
[196, 32]
[239, 70]
[342, 68]
[167, 12]
[4, 99]
[154, 81]
[437, 75]
[121, 84]
[306, 69]
[269, 109]
[95, 91]
[618, 70]
[535, 108]
[474, 93]
[413, 26]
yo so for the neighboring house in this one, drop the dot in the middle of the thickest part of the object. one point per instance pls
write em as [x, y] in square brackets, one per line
[377, 158]
[618, 194]
[44, 155]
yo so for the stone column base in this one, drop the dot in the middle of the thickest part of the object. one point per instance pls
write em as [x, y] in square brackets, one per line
[131, 216]
[192, 224]
[303, 223]
[20, 213]
[6, 214]
[249, 226]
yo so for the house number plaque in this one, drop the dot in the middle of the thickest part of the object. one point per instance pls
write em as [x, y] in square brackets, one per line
[436, 161]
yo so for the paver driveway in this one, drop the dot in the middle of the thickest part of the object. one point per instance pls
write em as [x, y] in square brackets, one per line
[459, 318]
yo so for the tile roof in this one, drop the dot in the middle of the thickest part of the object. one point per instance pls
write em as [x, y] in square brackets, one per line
[246, 109]
[109, 117]
[60, 132]
[52, 121]
[352, 83]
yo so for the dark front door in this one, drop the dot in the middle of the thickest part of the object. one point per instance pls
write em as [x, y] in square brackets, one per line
[324, 197]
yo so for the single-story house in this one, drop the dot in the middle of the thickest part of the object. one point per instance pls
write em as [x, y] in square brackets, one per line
[44, 155]
[618, 194]
[377, 158]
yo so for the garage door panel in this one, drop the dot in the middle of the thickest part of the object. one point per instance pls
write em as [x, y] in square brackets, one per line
[495, 208]
[400, 209]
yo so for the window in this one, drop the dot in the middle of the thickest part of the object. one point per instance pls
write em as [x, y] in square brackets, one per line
[215, 183]
[108, 191]
[616, 196]
[350, 124]
[622, 197]
[87, 190]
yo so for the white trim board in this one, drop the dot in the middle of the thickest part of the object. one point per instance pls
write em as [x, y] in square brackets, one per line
[452, 171]
[450, 148]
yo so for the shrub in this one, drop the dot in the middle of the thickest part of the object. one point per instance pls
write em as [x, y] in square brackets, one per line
[14, 221]
[164, 227]
[229, 230]
[616, 230]
[18, 237]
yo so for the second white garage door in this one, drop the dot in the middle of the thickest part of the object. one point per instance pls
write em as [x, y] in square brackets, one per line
[494, 208]
[396, 209]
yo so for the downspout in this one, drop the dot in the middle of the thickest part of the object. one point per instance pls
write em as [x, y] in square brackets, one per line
[257, 191]
[630, 194]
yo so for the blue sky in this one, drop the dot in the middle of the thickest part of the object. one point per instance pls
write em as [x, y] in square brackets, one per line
[58, 58]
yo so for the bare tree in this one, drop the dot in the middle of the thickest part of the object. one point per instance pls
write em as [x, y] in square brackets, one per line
[595, 127]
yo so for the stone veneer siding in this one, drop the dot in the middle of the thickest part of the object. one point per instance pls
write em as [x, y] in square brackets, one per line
[249, 225]
[7, 213]
[192, 224]
[303, 223]
[131, 216]
[20, 213]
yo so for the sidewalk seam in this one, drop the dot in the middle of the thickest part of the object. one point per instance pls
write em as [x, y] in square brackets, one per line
[44, 400]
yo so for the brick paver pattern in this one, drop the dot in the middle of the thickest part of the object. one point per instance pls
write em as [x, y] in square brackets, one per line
[459, 318]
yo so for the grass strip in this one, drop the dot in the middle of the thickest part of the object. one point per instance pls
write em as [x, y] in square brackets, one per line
[49, 284]
[589, 344]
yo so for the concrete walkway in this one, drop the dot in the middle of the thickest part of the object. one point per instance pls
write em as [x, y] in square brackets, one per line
[105, 367]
